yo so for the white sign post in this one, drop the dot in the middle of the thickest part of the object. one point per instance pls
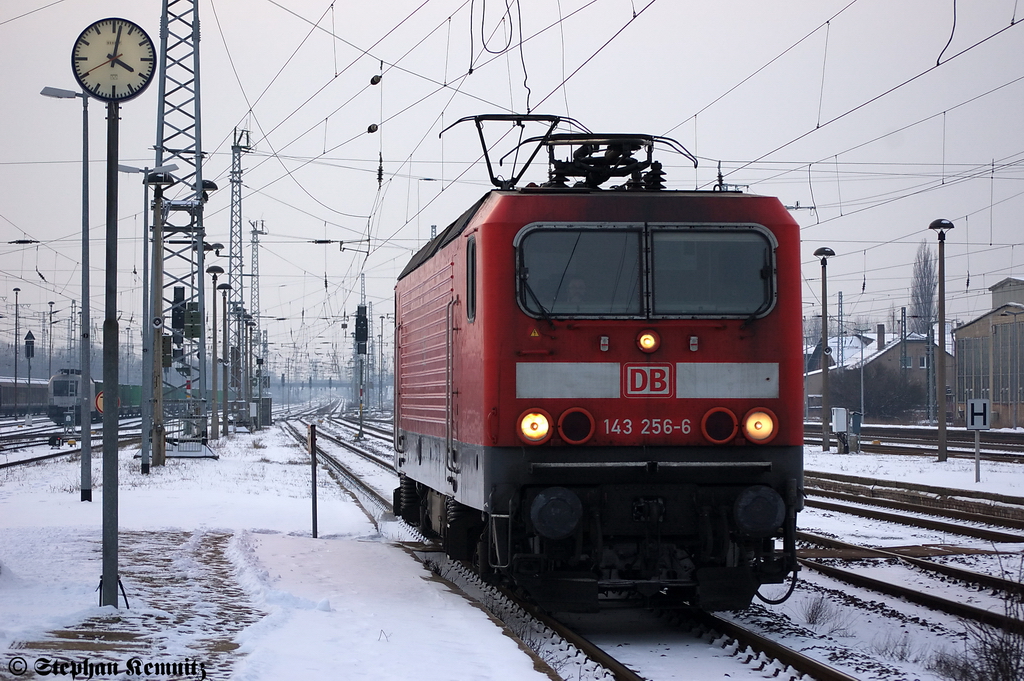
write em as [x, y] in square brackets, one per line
[977, 420]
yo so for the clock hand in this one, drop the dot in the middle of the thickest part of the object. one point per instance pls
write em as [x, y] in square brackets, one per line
[121, 63]
[117, 43]
[112, 58]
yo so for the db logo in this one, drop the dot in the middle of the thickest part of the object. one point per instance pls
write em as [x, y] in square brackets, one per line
[648, 380]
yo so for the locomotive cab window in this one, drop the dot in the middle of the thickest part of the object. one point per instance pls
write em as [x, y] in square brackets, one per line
[720, 272]
[642, 271]
[580, 271]
[65, 388]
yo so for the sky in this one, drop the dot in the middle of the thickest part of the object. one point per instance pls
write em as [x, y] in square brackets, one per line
[875, 118]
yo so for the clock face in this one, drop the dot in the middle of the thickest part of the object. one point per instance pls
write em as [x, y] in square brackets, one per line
[113, 60]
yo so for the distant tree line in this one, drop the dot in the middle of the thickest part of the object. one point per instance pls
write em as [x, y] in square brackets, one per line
[887, 395]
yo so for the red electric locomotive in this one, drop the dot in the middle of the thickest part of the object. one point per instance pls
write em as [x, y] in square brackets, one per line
[599, 391]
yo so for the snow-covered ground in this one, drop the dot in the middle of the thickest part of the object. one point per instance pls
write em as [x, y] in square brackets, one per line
[346, 605]
[222, 574]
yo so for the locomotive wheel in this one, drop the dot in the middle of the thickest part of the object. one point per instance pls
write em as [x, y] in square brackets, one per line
[461, 531]
[407, 501]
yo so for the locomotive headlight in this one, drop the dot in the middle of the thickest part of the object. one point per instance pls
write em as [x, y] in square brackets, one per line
[648, 341]
[759, 425]
[535, 426]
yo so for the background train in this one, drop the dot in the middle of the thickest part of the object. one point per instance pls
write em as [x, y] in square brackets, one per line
[63, 398]
[599, 391]
[31, 397]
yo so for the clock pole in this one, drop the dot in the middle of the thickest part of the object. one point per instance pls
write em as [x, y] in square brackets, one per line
[108, 594]
[111, 74]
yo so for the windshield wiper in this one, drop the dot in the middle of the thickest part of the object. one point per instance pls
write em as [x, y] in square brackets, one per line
[543, 311]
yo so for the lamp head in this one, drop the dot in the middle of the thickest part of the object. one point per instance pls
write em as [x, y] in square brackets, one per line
[215, 270]
[208, 186]
[824, 253]
[160, 179]
[59, 93]
[941, 226]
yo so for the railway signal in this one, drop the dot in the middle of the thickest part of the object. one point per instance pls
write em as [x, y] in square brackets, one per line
[362, 330]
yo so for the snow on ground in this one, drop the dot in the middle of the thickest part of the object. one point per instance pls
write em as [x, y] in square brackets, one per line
[873, 636]
[1000, 478]
[220, 569]
[348, 604]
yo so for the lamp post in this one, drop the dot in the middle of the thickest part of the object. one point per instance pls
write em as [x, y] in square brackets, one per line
[159, 181]
[147, 314]
[223, 288]
[214, 270]
[826, 415]
[85, 392]
[247, 347]
[941, 227]
[17, 335]
[49, 340]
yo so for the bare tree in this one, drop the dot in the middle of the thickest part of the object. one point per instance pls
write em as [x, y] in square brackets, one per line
[922, 289]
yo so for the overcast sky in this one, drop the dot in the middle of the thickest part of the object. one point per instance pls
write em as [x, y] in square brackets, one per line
[881, 115]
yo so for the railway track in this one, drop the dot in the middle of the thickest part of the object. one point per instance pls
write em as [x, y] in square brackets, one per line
[747, 646]
[994, 518]
[959, 504]
[994, 445]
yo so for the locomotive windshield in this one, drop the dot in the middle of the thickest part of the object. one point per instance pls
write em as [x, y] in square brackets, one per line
[688, 271]
[581, 271]
[65, 388]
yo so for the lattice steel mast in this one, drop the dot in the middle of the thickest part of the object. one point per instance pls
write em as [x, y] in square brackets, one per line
[236, 296]
[180, 293]
[259, 351]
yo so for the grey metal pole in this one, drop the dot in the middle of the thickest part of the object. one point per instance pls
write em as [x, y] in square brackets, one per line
[224, 355]
[941, 227]
[108, 595]
[85, 387]
[49, 339]
[826, 414]
[17, 339]
[156, 294]
[214, 270]
[312, 464]
[146, 400]
[215, 434]
[940, 367]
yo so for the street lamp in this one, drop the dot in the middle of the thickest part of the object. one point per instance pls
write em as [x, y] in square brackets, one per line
[85, 392]
[147, 314]
[826, 415]
[214, 270]
[247, 345]
[941, 227]
[49, 337]
[223, 288]
[17, 335]
[154, 381]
